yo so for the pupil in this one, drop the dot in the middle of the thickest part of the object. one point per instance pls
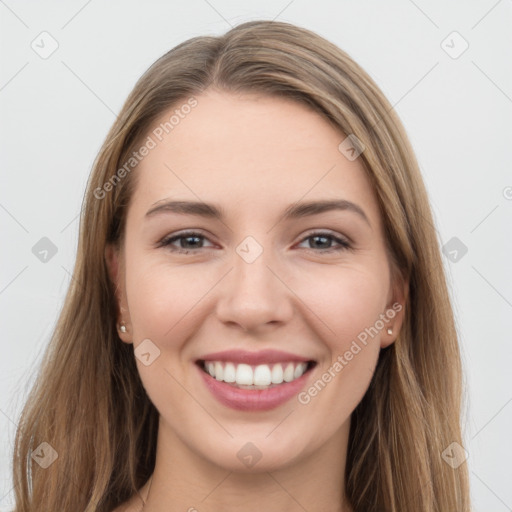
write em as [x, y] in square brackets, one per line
[186, 239]
[321, 238]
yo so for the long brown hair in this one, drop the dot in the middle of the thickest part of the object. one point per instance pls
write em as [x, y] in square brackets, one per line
[88, 402]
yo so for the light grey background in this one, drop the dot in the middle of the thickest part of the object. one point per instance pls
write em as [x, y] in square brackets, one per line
[55, 113]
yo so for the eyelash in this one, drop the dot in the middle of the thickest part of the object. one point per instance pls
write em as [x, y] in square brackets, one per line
[343, 244]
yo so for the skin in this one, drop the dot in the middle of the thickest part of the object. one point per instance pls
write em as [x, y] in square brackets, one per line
[253, 156]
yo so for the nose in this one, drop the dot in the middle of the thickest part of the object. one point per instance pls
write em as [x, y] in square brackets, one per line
[254, 296]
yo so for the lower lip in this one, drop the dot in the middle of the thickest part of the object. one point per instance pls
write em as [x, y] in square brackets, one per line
[253, 399]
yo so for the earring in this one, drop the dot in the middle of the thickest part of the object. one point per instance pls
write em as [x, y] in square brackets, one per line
[122, 327]
[390, 331]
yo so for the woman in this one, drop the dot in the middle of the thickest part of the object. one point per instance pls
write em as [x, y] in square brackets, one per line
[257, 366]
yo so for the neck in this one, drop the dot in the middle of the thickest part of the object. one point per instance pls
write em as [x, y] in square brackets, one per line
[185, 481]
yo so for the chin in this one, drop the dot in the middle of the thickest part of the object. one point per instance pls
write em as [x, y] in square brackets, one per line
[254, 451]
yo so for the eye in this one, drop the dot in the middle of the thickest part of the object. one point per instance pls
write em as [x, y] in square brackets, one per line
[189, 241]
[193, 240]
[321, 239]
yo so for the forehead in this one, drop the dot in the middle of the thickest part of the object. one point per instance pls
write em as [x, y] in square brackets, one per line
[248, 151]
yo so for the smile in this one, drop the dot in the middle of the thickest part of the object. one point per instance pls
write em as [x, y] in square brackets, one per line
[254, 381]
[262, 376]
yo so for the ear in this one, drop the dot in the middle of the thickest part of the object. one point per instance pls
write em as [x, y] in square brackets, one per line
[395, 310]
[115, 266]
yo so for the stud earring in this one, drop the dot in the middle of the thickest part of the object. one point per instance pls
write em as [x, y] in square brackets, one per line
[122, 328]
[390, 331]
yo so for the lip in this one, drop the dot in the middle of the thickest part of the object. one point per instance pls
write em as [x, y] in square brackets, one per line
[254, 358]
[254, 399]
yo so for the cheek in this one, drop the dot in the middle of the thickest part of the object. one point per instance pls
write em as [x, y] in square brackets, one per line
[347, 300]
[351, 306]
[159, 296]
[349, 303]
[161, 301]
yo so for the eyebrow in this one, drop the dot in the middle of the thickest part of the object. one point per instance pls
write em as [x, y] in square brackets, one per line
[294, 211]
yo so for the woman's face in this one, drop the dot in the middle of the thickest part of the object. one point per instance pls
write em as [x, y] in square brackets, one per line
[262, 288]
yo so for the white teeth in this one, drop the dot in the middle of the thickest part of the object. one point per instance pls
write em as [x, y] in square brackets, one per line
[229, 372]
[219, 371]
[299, 370]
[288, 373]
[277, 374]
[262, 375]
[244, 375]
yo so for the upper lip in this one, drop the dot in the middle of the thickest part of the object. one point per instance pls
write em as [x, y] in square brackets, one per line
[254, 358]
